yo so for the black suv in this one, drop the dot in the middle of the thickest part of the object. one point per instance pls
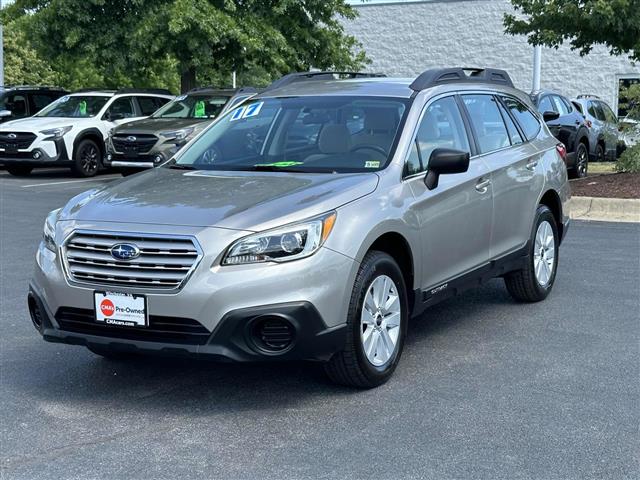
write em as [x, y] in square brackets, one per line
[568, 125]
[149, 142]
[24, 101]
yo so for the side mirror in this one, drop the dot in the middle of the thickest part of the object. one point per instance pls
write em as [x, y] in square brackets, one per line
[445, 161]
[5, 113]
[550, 116]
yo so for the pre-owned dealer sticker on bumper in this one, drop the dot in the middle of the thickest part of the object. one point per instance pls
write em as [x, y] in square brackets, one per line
[120, 309]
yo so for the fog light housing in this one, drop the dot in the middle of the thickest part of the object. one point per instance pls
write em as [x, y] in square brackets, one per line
[272, 334]
[109, 157]
[36, 155]
[157, 159]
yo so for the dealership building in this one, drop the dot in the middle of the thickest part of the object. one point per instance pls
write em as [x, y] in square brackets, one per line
[403, 38]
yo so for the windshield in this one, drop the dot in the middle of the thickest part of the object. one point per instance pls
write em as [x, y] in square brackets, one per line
[305, 134]
[76, 106]
[193, 106]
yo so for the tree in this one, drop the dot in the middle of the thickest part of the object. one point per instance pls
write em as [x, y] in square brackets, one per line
[23, 65]
[584, 23]
[136, 42]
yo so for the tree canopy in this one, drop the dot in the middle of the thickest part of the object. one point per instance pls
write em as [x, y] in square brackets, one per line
[171, 43]
[584, 23]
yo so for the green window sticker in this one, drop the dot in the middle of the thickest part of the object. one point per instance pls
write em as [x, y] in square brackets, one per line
[371, 164]
[279, 164]
[199, 111]
[82, 108]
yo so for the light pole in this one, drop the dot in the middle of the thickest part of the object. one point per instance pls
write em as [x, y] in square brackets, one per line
[1, 53]
[537, 67]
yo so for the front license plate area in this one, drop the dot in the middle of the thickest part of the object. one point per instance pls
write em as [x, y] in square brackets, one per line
[121, 309]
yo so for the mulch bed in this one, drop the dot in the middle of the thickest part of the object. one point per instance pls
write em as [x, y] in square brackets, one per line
[610, 185]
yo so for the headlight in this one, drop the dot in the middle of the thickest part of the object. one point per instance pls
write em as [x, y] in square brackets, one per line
[283, 244]
[177, 134]
[49, 233]
[56, 132]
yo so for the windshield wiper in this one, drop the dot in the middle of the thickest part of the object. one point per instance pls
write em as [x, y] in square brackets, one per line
[178, 166]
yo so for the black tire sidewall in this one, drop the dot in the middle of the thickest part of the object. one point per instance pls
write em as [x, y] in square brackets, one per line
[377, 264]
[77, 160]
[600, 154]
[544, 214]
[581, 146]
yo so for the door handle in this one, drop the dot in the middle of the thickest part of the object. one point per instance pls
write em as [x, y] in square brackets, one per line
[483, 185]
[531, 164]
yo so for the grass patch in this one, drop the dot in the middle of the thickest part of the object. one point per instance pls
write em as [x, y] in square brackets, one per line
[601, 167]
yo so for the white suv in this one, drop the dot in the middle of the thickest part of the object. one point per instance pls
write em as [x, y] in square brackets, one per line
[72, 130]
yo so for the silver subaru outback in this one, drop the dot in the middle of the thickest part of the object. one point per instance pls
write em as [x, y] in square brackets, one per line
[312, 223]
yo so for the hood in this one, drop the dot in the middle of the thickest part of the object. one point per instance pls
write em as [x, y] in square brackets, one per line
[236, 200]
[155, 125]
[34, 124]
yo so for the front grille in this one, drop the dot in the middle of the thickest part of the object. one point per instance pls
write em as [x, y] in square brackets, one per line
[163, 262]
[161, 329]
[134, 144]
[22, 140]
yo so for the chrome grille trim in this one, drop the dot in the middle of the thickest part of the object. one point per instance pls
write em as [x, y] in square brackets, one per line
[165, 262]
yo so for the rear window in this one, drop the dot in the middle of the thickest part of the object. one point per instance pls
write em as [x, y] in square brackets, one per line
[528, 122]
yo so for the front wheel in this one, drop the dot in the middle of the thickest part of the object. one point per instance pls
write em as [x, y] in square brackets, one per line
[376, 325]
[534, 282]
[86, 159]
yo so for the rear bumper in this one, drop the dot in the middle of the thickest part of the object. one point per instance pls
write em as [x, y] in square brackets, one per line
[236, 337]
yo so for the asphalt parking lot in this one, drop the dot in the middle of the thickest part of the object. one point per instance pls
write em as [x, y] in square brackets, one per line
[486, 388]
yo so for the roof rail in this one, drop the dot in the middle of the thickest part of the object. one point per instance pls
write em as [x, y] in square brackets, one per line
[94, 89]
[34, 87]
[439, 76]
[228, 89]
[588, 95]
[324, 75]
[160, 91]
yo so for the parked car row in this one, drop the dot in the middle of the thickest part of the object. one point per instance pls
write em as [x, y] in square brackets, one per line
[586, 125]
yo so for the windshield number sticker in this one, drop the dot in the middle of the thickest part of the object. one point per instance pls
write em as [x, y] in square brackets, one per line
[253, 110]
[371, 164]
[237, 114]
[64, 99]
[180, 98]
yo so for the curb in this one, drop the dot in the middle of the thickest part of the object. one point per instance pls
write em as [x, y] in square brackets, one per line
[605, 209]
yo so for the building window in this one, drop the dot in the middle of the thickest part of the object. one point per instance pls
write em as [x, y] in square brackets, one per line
[623, 102]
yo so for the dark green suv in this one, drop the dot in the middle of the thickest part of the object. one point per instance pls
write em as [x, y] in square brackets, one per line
[149, 142]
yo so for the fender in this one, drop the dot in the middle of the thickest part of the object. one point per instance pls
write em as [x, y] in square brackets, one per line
[95, 134]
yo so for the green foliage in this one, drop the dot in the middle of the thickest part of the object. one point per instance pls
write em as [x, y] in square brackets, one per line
[23, 65]
[167, 42]
[629, 161]
[614, 23]
[629, 100]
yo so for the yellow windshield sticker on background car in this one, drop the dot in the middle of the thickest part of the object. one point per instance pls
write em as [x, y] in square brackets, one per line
[199, 111]
[279, 164]
[371, 164]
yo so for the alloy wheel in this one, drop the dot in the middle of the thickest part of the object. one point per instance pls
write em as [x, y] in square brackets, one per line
[89, 159]
[380, 321]
[544, 254]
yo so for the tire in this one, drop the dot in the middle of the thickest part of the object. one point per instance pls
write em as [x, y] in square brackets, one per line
[86, 159]
[581, 167]
[109, 353]
[600, 153]
[353, 366]
[19, 171]
[534, 282]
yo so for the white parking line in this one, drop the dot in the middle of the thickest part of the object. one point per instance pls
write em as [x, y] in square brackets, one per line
[68, 181]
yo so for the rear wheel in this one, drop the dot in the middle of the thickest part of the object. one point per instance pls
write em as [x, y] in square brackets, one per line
[376, 325]
[599, 153]
[534, 282]
[19, 171]
[86, 159]
[582, 162]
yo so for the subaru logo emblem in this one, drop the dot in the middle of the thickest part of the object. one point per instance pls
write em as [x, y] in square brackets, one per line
[131, 139]
[124, 251]
[12, 136]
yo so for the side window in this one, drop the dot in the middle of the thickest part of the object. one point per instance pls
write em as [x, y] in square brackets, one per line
[608, 113]
[39, 101]
[17, 103]
[599, 112]
[441, 127]
[487, 122]
[561, 108]
[122, 108]
[529, 123]
[514, 135]
[545, 105]
[578, 107]
[148, 105]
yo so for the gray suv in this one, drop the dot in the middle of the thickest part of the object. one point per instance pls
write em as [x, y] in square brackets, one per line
[602, 125]
[312, 222]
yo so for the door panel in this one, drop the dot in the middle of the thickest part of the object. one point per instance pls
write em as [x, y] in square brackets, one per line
[455, 221]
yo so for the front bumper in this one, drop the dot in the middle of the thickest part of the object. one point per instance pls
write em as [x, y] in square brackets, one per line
[216, 310]
[159, 153]
[45, 154]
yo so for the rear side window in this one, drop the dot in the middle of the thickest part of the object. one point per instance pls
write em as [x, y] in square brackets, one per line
[514, 135]
[528, 122]
[545, 105]
[148, 105]
[561, 108]
[487, 122]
